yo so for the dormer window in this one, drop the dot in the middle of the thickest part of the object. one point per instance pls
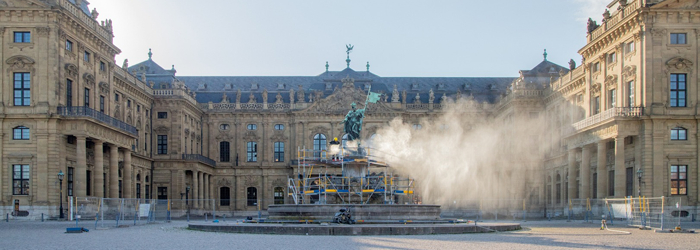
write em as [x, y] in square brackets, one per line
[228, 86]
[414, 86]
[367, 86]
[253, 86]
[467, 86]
[441, 86]
[329, 86]
[281, 86]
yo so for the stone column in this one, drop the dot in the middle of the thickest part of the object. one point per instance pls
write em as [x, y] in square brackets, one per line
[572, 174]
[554, 188]
[195, 188]
[204, 191]
[564, 181]
[99, 170]
[200, 189]
[113, 171]
[602, 171]
[143, 185]
[585, 173]
[79, 175]
[620, 171]
[127, 178]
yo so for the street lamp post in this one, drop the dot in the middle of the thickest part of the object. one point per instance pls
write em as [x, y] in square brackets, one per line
[640, 172]
[187, 197]
[60, 188]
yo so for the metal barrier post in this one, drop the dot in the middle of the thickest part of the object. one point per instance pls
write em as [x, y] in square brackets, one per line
[663, 200]
[42, 217]
[206, 217]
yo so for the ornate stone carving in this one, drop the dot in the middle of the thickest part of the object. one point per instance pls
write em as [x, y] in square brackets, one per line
[161, 130]
[595, 88]
[300, 94]
[278, 182]
[89, 79]
[403, 97]
[291, 96]
[278, 98]
[224, 136]
[104, 87]
[224, 182]
[19, 63]
[629, 72]
[318, 130]
[431, 96]
[238, 96]
[679, 63]
[279, 136]
[264, 95]
[250, 181]
[611, 81]
[395, 94]
[250, 136]
[251, 98]
[339, 101]
[71, 70]
[43, 31]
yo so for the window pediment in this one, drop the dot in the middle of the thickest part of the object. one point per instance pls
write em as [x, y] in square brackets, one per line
[679, 63]
[20, 63]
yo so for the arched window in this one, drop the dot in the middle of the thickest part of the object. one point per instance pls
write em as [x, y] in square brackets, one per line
[279, 195]
[252, 195]
[319, 145]
[224, 151]
[344, 140]
[679, 133]
[417, 127]
[225, 196]
[20, 133]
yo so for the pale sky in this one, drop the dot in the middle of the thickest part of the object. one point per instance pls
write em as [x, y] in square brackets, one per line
[398, 37]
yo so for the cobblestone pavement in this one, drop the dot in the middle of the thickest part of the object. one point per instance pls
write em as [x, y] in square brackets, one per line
[535, 235]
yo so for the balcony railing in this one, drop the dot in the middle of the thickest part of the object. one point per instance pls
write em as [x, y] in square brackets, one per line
[608, 114]
[199, 158]
[97, 115]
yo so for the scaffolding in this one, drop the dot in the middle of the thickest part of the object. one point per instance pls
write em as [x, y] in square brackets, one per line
[352, 176]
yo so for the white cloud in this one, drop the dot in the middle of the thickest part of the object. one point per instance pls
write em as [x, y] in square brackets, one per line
[591, 8]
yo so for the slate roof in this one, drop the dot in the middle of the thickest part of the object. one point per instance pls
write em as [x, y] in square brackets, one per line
[212, 88]
[83, 6]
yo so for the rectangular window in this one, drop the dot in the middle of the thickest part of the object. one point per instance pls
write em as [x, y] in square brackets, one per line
[87, 183]
[103, 66]
[252, 151]
[679, 133]
[629, 182]
[128, 103]
[162, 115]
[279, 151]
[102, 103]
[629, 47]
[87, 97]
[613, 98]
[23, 37]
[224, 151]
[148, 191]
[162, 144]
[630, 93]
[120, 188]
[138, 108]
[86, 56]
[69, 93]
[611, 183]
[596, 105]
[162, 193]
[678, 90]
[679, 179]
[22, 89]
[20, 133]
[252, 127]
[116, 97]
[138, 190]
[678, 38]
[69, 45]
[69, 177]
[145, 144]
[20, 180]
[596, 67]
[612, 57]
[594, 180]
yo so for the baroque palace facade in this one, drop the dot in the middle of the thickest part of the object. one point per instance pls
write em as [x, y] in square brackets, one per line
[627, 114]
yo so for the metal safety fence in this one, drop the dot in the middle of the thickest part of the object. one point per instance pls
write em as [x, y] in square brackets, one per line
[116, 212]
[654, 212]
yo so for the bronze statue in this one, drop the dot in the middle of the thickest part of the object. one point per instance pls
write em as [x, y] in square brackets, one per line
[353, 122]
